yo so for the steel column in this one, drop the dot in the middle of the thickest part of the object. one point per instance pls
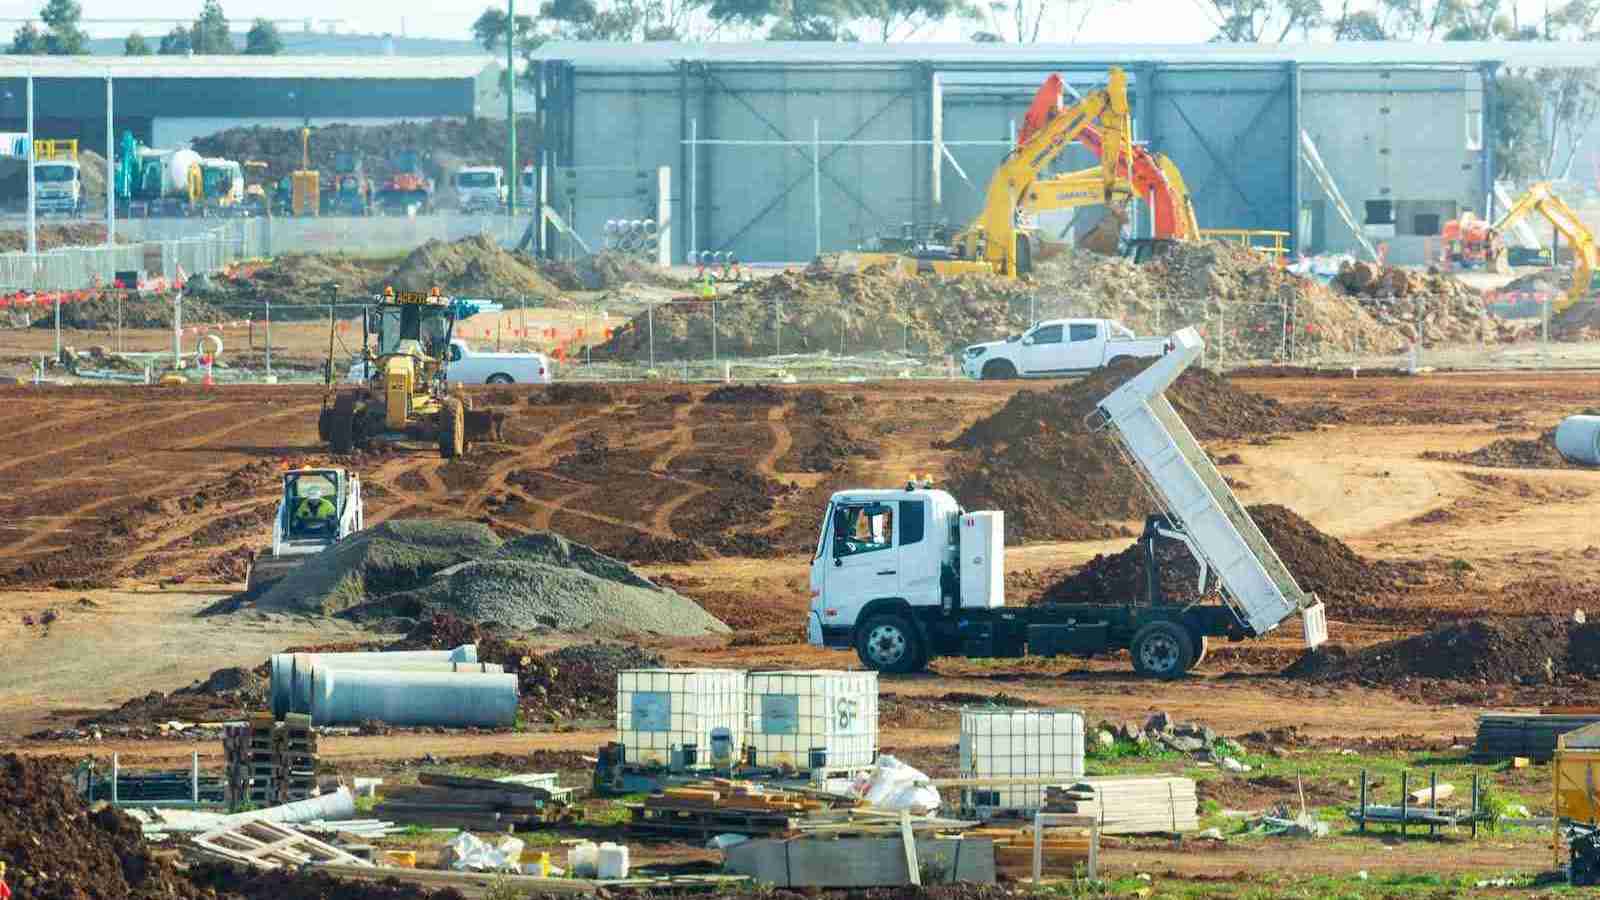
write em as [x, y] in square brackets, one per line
[1292, 95]
[1144, 89]
[685, 155]
[1491, 108]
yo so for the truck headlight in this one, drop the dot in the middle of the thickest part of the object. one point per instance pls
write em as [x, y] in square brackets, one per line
[975, 352]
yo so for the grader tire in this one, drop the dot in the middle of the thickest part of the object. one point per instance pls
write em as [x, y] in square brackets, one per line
[324, 425]
[452, 429]
[342, 425]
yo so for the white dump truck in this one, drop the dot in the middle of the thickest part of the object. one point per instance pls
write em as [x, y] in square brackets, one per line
[904, 576]
[481, 188]
[1056, 348]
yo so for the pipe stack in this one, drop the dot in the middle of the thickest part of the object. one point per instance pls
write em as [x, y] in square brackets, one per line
[447, 688]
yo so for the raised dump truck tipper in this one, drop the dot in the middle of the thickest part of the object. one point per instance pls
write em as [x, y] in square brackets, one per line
[905, 576]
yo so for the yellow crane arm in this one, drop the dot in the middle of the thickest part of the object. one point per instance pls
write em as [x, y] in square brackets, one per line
[1585, 258]
[994, 231]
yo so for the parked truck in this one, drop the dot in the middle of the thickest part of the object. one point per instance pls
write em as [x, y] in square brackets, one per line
[1059, 347]
[222, 186]
[467, 366]
[905, 576]
[152, 182]
[57, 178]
[481, 188]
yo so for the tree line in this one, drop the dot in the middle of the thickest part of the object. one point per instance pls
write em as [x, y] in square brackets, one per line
[63, 35]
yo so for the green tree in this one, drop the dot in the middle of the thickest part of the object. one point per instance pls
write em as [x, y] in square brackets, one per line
[135, 45]
[789, 20]
[1518, 150]
[64, 37]
[176, 42]
[209, 35]
[490, 29]
[263, 39]
[27, 40]
[899, 20]
[1251, 21]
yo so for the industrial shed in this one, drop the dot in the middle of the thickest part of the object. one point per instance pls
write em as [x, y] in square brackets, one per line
[911, 132]
[168, 100]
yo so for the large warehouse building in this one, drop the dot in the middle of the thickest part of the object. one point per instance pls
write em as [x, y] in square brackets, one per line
[779, 148]
[167, 101]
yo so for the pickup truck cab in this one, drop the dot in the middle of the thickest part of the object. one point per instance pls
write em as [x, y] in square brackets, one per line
[1058, 347]
[468, 366]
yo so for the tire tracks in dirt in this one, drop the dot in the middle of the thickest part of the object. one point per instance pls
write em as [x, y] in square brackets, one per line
[197, 409]
[169, 537]
[782, 442]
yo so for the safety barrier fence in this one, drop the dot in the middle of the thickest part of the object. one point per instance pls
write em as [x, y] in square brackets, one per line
[741, 336]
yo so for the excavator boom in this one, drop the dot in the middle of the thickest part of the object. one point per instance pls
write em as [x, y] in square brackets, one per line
[1585, 258]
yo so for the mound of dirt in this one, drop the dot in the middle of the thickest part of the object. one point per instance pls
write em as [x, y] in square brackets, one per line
[226, 694]
[607, 270]
[570, 393]
[1513, 453]
[474, 266]
[98, 312]
[746, 395]
[1320, 563]
[581, 680]
[55, 849]
[1037, 460]
[1489, 651]
[551, 549]
[395, 556]
[50, 237]
[293, 279]
[1434, 307]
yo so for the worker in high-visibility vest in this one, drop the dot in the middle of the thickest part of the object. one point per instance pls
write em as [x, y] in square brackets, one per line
[708, 287]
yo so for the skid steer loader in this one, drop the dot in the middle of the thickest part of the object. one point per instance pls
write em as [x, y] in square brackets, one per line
[319, 507]
[405, 343]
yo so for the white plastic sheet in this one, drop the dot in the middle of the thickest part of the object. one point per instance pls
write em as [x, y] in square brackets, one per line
[894, 786]
[469, 854]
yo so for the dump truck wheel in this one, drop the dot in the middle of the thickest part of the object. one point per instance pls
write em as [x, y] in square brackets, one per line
[999, 370]
[452, 429]
[1162, 650]
[342, 425]
[890, 644]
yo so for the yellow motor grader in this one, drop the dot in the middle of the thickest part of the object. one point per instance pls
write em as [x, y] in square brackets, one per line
[398, 387]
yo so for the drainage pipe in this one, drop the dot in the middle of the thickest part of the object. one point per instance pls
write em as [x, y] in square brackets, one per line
[1578, 439]
[306, 666]
[352, 696]
[283, 668]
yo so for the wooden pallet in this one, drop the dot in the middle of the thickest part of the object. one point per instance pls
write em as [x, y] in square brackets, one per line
[705, 821]
[269, 845]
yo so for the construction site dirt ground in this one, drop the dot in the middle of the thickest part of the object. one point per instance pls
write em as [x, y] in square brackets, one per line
[144, 502]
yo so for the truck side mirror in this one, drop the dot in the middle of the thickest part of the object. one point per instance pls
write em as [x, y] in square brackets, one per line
[1027, 340]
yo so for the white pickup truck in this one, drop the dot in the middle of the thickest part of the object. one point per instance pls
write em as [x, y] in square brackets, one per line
[468, 366]
[1058, 347]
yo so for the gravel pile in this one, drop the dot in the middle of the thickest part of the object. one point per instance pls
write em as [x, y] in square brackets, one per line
[531, 596]
[395, 556]
[552, 549]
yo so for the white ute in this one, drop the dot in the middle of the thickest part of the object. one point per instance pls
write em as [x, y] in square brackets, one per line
[1057, 347]
[468, 366]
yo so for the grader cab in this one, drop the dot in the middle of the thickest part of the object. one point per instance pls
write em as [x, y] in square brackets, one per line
[405, 344]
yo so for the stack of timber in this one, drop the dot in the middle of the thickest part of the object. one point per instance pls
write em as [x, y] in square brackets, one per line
[1502, 736]
[1063, 850]
[437, 800]
[721, 806]
[1134, 804]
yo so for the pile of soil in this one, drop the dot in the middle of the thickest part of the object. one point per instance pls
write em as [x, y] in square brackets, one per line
[97, 311]
[225, 695]
[1510, 453]
[1532, 649]
[833, 312]
[1430, 307]
[1320, 563]
[444, 145]
[1036, 458]
[1237, 295]
[607, 270]
[475, 266]
[49, 237]
[746, 395]
[55, 849]
[293, 279]
[562, 393]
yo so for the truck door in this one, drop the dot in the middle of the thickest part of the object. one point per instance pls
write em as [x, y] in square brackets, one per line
[1083, 348]
[865, 560]
[1041, 351]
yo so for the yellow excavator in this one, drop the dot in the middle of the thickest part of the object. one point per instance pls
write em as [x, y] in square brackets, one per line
[994, 242]
[1585, 259]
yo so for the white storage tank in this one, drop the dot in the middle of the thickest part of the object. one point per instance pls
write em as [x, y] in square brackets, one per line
[814, 719]
[1578, 439]
[662, 710]
[1019, 743]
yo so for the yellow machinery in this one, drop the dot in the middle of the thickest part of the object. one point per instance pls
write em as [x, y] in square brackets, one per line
[306, 191]
[993, 242]
[65, 150]
[1585, 260]
[401, 389]
[1575, 777]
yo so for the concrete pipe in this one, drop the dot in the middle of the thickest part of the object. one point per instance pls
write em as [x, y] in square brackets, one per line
[341, 804]
[648, 226]
[352, 696]
[283, 669]
[1578, 439]
[305, 672]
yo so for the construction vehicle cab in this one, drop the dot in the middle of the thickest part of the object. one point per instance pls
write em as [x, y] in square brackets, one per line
[57, 176]
[405, 394]
[318, 507]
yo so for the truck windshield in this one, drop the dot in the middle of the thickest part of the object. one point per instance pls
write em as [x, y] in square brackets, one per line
[54, 173]
[216, 181]
[428, 325]
[477, 180]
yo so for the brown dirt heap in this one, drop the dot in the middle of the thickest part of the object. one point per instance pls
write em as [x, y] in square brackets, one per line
[1319, 562]
[474, 266]
[1512, 453]
[294, 278]
[607, 270]
[1432, 307]
[1037, 460]
[1488, 651]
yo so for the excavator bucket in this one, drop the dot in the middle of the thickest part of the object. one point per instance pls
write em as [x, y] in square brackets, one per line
[1105, 238]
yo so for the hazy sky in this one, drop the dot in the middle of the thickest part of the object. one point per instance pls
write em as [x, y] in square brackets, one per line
[1134, 21]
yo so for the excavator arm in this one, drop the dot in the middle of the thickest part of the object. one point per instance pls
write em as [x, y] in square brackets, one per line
[993, 235]
[1585, 258]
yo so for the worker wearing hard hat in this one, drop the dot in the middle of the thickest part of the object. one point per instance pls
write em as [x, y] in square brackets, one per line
[314, 512]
